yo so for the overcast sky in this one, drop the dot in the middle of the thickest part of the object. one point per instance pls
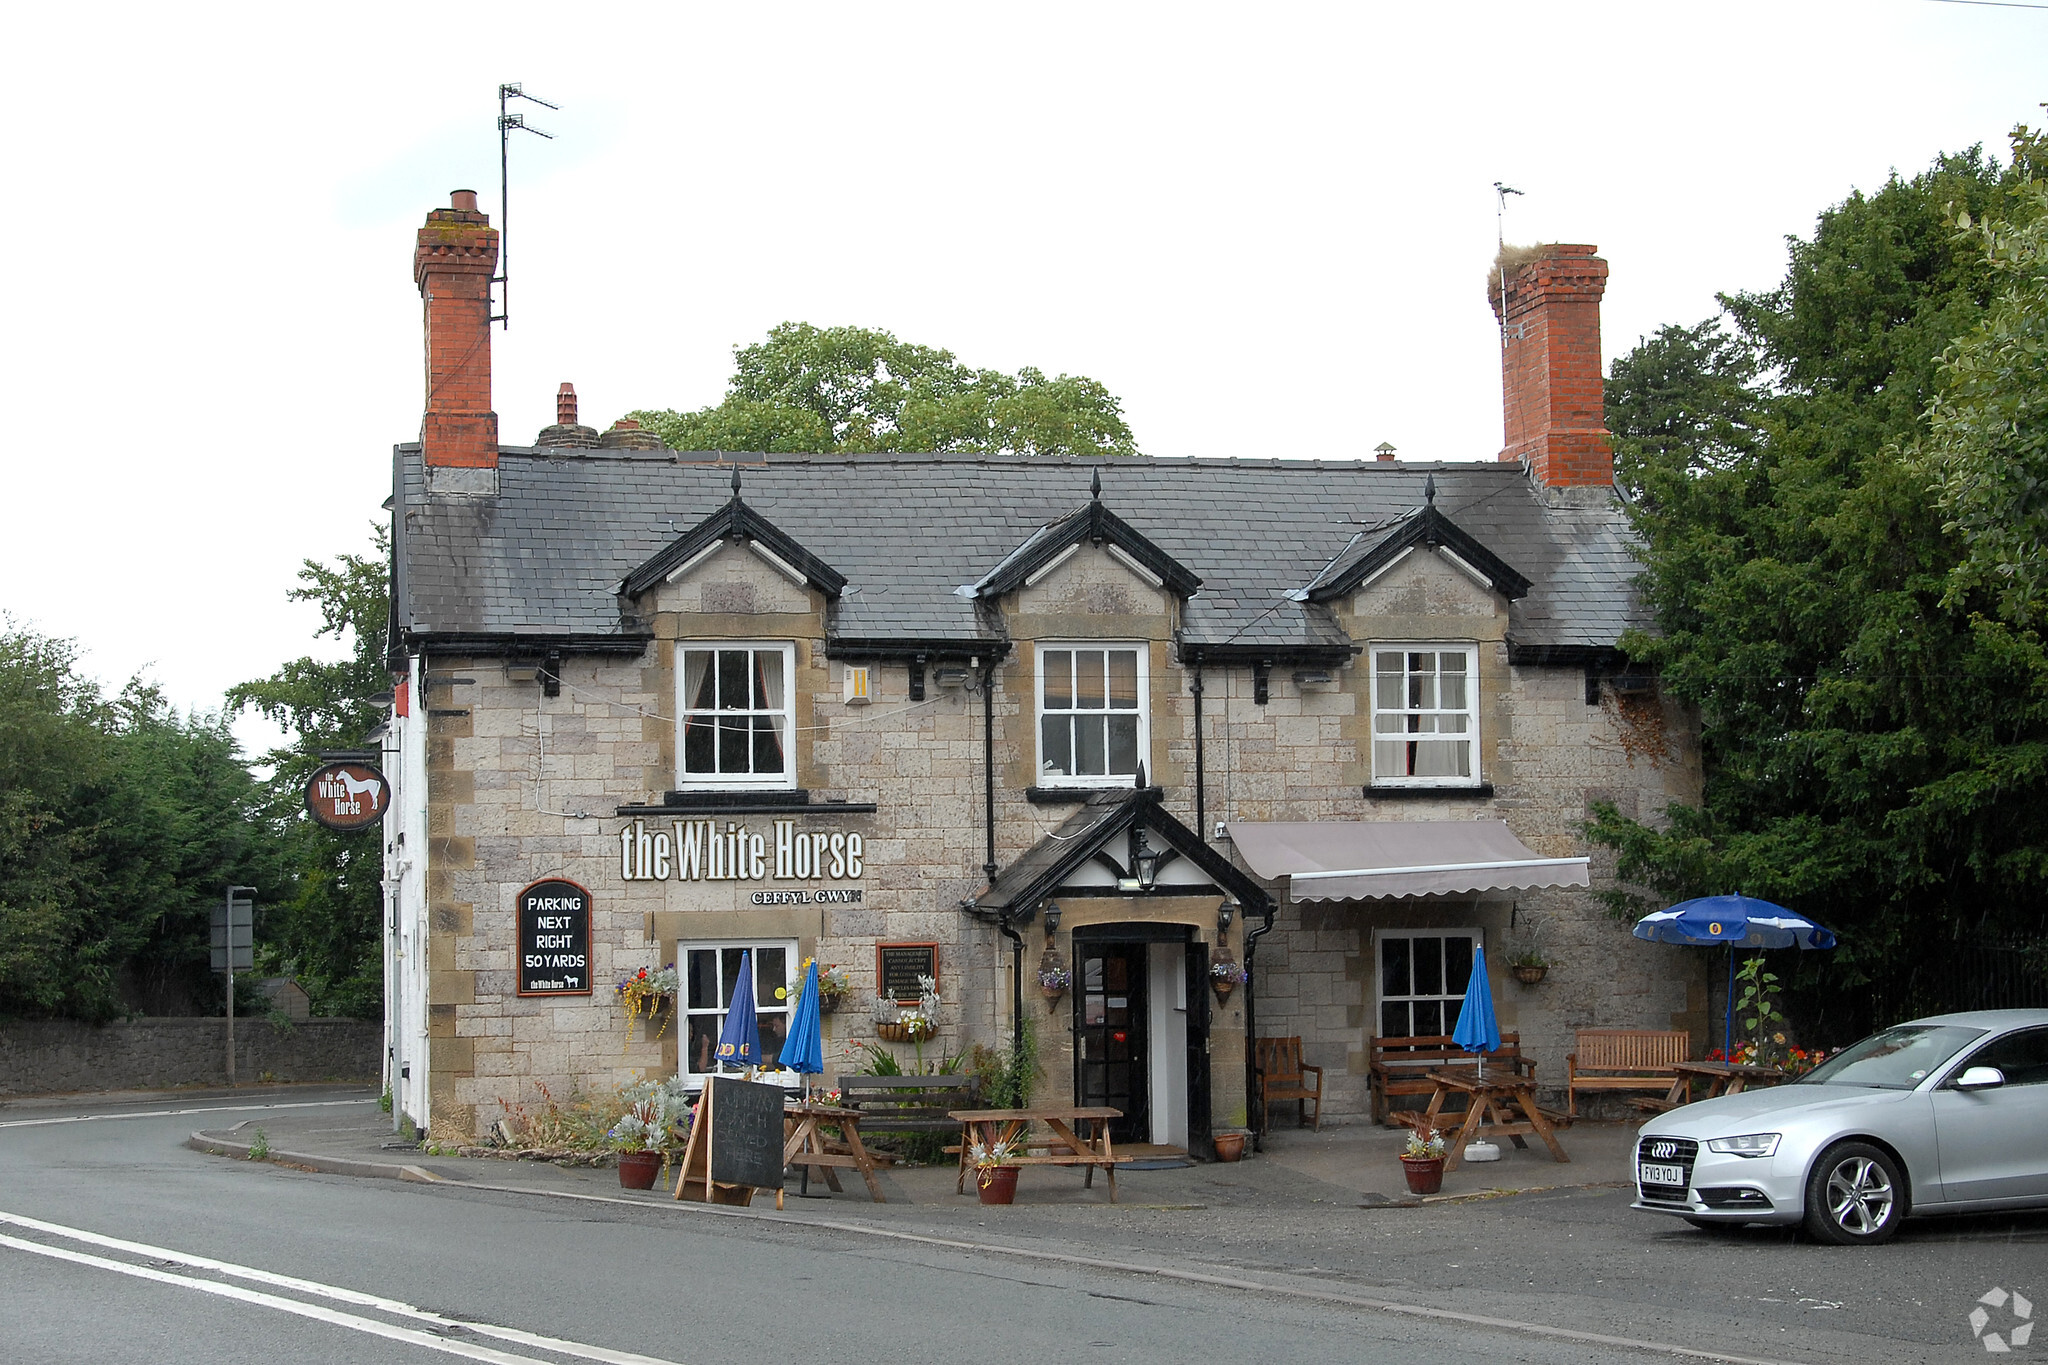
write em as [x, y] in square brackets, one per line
[1266, 228]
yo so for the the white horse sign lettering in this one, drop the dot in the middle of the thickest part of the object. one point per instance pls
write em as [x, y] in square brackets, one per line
[347, 795]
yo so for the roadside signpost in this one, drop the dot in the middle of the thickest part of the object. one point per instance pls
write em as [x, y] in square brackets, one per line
[234, 947]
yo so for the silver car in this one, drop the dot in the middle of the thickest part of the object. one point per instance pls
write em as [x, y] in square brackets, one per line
[1941, 1115]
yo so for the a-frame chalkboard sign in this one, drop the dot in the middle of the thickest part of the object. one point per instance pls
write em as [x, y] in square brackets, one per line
[735, 1143]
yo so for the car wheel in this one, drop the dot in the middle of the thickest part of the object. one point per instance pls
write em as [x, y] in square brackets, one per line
[1856, 1195]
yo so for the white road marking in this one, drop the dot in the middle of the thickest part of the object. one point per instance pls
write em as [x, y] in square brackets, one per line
[174, 1113]
[352, 1297]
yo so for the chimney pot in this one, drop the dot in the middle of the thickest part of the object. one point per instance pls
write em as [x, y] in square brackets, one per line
[625, 424]
[565, 405]
[463, 200]
[1384, 451]
[453, 260]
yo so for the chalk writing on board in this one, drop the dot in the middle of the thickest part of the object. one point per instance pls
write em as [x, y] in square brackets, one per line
[746, 1132]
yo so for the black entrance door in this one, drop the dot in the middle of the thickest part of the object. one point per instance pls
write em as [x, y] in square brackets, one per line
[1111, 1046]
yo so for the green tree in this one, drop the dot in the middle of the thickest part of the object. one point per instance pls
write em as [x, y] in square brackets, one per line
[1872, 743]
[854, 390]
[121, 822]
[327, 929]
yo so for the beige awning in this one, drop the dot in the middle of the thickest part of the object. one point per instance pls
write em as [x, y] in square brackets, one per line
[1339, 860]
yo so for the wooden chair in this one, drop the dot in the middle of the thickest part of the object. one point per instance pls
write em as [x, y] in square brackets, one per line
[1626, 1059]
[1284, 1076]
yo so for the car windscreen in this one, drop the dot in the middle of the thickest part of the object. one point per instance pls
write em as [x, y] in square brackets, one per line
[1897, 1059]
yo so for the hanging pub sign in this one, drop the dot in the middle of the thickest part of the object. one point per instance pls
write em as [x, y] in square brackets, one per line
[347, 796]
[898, 967]
[554, 939]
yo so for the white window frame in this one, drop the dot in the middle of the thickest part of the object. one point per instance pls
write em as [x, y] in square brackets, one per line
[784, 780]
[791, 984]
[1144, 712]
[1470, 710]
[1450, 1002]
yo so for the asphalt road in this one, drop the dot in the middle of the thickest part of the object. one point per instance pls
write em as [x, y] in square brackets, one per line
[119, 1244]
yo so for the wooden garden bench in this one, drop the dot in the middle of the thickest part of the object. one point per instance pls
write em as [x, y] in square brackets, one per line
[1626, 1059]
[1284, 1076]
[1401, 1066]
[908, 1104]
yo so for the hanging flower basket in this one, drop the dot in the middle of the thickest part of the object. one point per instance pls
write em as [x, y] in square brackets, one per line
[893, 1033]
[1054, 977]
[1529, 975]
[1226, 974]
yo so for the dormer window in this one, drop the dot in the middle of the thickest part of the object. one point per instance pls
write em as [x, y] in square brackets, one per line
[1425, 716]
[736, 718]
[1092, 729]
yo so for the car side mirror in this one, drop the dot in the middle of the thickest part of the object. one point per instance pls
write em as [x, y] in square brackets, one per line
[1979, 1078]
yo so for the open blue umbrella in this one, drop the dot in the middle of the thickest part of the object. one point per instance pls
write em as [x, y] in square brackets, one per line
[1739, 922]
[739, 1042]
[804, 1050]
[1478, 1030]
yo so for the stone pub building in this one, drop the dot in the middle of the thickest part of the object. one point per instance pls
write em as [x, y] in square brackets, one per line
[1338, 723]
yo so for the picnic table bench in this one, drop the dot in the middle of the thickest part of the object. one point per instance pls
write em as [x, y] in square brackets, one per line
[1627, 1059]
[1401, 1066]
[1090, 1148]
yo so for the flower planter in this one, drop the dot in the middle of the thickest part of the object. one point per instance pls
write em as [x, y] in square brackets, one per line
[893, 1033]
[1229, 1146]
[998, 1184]
[638, 1169]
[1052, 994]
[1529, 976]
[828, 1004]
[1425, 1173]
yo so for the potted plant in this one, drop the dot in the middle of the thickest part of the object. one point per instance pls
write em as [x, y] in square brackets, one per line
[1054, 981]
[1422, 1161]
[641, 1137]
[1226, 974]
[648, 993]
[1229, 1146]
[993, 1173]
[832, 985]
[1529, 966]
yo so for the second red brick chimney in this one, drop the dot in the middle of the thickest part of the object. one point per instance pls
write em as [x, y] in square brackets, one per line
[453, 264]
[1555, 405]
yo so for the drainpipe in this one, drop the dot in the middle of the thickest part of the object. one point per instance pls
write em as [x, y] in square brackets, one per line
[988, 867]
[1201, 813]
[1251, 1030]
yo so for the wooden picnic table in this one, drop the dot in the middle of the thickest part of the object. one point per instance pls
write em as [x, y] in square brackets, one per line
[1494, 1097]
[1065, 1147]
[803, 1145]
[1722, 1078]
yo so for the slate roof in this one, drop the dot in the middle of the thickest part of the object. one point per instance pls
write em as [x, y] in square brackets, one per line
[544, 559]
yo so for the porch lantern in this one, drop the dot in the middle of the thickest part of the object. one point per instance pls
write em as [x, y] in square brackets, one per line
[1052, 919]
[1144, 861]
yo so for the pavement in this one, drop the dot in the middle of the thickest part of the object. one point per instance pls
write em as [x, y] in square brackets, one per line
[1344, 1165]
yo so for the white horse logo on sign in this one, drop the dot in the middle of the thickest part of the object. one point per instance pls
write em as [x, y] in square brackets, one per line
[356, 786]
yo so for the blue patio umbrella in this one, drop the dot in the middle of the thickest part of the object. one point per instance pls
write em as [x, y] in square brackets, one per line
[1739, 922]
[804, 1050]
[1478, 1030]
[739, 1042]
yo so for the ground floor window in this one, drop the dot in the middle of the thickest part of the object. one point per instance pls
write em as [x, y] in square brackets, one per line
[710, 972]
[1422, 979]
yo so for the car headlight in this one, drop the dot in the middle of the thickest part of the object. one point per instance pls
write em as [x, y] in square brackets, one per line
[1749, 1144]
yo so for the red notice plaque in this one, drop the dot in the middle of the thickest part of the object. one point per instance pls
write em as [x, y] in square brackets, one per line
[347, 796]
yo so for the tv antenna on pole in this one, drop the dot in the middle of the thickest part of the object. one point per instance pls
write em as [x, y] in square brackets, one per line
[507, 121]
[1500, 237]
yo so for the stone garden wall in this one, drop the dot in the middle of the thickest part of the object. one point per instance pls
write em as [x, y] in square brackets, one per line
[57, 1056]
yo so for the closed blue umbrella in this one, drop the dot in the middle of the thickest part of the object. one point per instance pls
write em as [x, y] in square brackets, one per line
[1739, 922]
[804, 1050]
[739, 1042]
[1478, 1030]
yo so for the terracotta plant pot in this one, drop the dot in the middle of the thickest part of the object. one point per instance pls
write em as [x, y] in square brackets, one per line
[1229, 1146]
[998, 1184]
[1529, 976]
[638, 1169]
[1425, 1173]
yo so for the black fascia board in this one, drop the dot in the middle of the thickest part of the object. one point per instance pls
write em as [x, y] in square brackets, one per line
[1242, 655]
[1431, 528]
[930, 650]
[735, 521]
[1567, 656]
[1097, 525]
[523, 643]
[1141, 806]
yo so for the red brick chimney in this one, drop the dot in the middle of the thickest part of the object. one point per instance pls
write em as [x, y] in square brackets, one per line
[1556, 411]
[453, 264]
